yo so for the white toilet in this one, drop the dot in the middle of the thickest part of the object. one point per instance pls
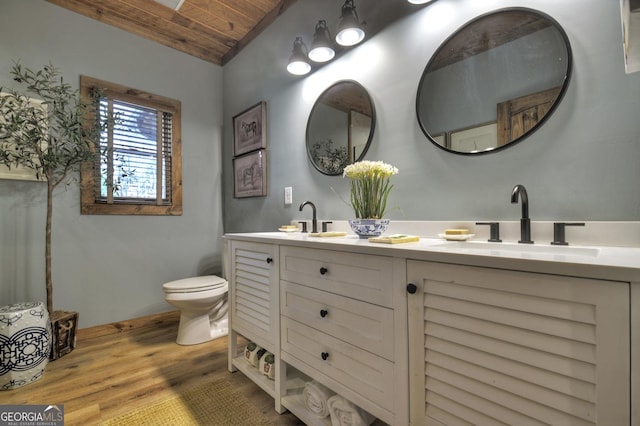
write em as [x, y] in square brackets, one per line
[202, 302]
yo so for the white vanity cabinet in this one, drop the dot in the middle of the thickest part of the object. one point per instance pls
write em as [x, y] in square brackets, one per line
[252, 272]
[491, 346]
[340, 313]
[420, 335]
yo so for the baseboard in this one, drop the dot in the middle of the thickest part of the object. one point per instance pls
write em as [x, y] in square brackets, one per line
[128, 325]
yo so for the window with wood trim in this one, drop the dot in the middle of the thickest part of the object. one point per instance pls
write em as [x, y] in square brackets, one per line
[139, 169]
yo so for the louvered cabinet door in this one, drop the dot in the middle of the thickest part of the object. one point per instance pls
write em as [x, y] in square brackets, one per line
[254, 292]
[492, 347]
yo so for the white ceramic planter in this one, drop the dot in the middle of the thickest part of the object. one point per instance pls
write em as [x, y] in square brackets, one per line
[366, 228]
[25, 342]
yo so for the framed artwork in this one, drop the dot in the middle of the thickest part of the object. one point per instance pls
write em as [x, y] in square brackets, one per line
[475, 139]
[20, 172]
[250, 175]
[250, 129]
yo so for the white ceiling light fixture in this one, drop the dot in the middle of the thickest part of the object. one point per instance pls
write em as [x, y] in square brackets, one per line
[321, 50]
[420, 1]
[350, 30]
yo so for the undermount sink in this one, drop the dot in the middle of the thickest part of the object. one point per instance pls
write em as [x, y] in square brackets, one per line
[498, 248]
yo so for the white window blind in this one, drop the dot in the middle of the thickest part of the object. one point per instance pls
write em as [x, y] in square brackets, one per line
[135, 160]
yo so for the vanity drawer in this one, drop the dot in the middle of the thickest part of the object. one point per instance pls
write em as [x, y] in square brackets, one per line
[365, 325]
[359, 276]
[363, 372]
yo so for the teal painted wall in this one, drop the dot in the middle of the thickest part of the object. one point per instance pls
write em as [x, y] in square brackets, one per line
[111, 268]
[581, 165]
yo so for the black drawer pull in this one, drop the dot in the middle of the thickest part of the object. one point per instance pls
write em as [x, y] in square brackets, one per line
[323, 313]
[411, 288]
[324, 355]
[323, 270]
[269, 260]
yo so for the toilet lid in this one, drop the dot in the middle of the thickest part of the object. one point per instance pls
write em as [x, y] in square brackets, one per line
[207, 282]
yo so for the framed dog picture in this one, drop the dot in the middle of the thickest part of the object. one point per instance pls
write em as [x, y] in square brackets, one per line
[250, 175]
[250, 129]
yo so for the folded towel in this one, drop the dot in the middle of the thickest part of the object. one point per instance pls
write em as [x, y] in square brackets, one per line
[345, 413]
[315, 396]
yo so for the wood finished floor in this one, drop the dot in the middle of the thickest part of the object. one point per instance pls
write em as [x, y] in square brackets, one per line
[120, 367]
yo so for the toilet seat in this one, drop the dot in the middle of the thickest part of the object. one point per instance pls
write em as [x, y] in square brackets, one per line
[194, 284]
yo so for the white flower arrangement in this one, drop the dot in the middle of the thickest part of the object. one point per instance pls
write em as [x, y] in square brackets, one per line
[370, 187]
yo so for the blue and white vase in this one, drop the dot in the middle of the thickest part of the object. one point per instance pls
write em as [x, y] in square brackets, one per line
[366, 228]
[25, 343]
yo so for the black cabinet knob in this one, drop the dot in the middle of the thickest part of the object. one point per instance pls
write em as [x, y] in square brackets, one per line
[269, 260]
[324, 355]
[411, 288]
[323, 313]
[323, 270]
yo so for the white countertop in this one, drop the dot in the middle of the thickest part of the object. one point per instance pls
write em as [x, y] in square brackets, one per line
[600, 262]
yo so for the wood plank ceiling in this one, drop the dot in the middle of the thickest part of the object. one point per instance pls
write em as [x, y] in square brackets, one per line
[212, 30]
[487, 33]
[216, 30]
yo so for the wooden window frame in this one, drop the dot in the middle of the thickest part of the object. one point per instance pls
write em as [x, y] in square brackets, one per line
[88, 196]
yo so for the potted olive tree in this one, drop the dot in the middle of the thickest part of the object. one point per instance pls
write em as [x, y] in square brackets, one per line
[50, 137]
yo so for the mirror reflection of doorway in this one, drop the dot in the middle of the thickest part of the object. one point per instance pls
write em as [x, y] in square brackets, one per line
[518, 116]
[359, 127]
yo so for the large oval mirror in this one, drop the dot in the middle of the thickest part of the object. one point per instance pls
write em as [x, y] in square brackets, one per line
[340, 127]
[494, 81]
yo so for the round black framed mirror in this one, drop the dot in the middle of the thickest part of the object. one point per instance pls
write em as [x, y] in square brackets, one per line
[340, 127]
[494, 81]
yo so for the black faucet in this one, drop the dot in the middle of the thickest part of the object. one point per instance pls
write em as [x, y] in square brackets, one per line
[314, 221]
[525, 222]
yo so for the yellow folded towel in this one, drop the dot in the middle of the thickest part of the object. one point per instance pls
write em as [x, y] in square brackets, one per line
[394, 239]
[327, 234]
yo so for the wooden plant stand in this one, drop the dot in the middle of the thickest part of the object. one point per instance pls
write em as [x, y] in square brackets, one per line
[64, 326]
